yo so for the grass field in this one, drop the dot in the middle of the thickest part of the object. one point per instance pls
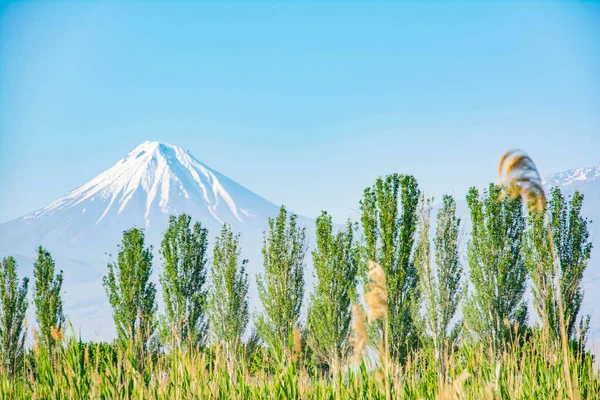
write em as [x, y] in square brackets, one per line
[528, 369]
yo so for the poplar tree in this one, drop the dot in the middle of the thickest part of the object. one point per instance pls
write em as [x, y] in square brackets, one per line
[47, 298]
[440, 277]
[573, 250]
[336, 261]
[228, 298]
[497, 269]
[132, 295]
[184, 250]
[13, 310]
[389, 216]
[281, 285]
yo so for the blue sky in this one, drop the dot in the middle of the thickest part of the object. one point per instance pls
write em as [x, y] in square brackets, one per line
[304, 103]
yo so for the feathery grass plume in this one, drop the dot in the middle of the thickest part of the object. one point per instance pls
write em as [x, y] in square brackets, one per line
[34, 334]
[377, 301]
[358, 337]
[296, 344]
[377, 294]
[520, 177]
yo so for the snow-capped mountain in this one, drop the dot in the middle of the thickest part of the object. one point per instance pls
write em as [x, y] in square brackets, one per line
[152, 182]
[574, 179]
[165, 177]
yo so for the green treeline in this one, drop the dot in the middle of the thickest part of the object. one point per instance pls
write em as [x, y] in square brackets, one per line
[206, 317]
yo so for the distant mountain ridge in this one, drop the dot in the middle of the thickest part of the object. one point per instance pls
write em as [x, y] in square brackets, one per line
[574, 177]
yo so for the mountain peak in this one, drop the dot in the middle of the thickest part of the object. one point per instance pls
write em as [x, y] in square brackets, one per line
[165, 179]
[150, 146]
[156, 149]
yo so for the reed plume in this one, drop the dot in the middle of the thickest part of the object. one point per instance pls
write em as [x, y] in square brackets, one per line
[377, 294]
[376, 298]
[34, 332]
[296, 344]
[520, 177]
[358, 337]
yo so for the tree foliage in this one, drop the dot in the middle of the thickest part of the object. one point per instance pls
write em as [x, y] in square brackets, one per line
[497, 269]
[13, 309]
[281, 285]
[228, 298]
[132, 295]
[573, 248]
[389, 220]
[335, 261]
[47, 297]
[184, 250]
[440, 277]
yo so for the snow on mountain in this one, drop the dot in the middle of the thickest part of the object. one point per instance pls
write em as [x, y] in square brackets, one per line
[166, 177]
[152, 182]
[574, 179]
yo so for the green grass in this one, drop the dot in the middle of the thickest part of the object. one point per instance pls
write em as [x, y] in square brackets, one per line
[530, 370]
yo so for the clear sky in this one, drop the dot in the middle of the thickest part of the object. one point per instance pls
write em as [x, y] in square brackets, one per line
[304, 103]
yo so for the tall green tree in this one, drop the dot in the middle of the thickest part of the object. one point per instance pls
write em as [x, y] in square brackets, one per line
[228, 310]
[132, 295]
[389, 216]
[281, 285]
[184, 250]
[573, 250]
[440, 277]
[47, 297]
[336, 261]
[497, 268]
[13, 309]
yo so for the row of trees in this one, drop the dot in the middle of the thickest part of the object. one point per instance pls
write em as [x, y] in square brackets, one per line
[189, 306]
[13, 309]
[423, 270]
